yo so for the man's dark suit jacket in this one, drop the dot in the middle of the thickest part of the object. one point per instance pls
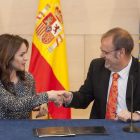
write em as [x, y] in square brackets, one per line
[96, 87]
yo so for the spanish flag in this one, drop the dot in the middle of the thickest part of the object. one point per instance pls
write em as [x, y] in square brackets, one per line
[48, 62]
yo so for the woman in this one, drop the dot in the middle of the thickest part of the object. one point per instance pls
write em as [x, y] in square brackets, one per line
[17, 87]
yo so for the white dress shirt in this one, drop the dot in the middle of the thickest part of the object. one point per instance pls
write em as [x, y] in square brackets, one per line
[122, 86]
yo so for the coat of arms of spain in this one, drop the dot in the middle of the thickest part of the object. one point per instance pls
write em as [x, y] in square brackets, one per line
[50, 27]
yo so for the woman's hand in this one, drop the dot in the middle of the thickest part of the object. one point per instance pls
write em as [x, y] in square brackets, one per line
[55, 97]
[43, 110]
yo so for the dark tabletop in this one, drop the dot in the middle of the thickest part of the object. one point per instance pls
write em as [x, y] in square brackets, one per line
[22, 129]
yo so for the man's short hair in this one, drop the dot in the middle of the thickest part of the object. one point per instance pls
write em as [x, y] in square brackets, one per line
[121, 39]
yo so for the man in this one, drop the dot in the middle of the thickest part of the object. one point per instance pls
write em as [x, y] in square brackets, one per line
[116, 59]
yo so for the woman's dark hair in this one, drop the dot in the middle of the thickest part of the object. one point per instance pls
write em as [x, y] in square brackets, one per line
[121, 39]
[9, 45]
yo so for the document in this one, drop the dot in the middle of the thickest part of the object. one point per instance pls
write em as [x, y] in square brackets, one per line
[99, 130]
[53, 132]
[69, 131]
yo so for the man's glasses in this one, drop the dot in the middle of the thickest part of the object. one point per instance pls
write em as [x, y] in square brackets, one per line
[106, 53]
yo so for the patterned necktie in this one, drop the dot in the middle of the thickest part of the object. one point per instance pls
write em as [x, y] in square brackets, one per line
[112, 99]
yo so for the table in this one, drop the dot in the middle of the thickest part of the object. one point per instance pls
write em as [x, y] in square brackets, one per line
[22, 129]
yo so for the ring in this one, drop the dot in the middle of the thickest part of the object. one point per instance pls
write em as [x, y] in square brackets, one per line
[59, 105]
[44, 114]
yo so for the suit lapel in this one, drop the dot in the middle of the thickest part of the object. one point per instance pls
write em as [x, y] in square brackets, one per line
[133, 69]
[104, 89]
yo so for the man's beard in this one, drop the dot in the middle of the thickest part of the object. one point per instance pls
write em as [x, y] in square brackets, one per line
[107, 66]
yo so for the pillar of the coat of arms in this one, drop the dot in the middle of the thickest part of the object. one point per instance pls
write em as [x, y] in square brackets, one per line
[42, 13]
[56, 44]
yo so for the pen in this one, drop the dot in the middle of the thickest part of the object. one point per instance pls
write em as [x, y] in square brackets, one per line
[115, 113]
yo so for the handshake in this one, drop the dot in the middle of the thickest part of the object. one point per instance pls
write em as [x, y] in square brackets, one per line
[57, 97]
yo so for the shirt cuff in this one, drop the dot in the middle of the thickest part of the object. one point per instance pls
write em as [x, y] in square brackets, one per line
[68, 103]
[137, 112]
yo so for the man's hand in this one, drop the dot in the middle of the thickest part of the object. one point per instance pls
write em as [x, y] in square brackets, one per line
[125, 115]
[67, 95]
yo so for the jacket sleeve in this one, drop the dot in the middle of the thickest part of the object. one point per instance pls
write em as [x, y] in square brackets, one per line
[85, 95]
[20, 104]
[90, 89]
